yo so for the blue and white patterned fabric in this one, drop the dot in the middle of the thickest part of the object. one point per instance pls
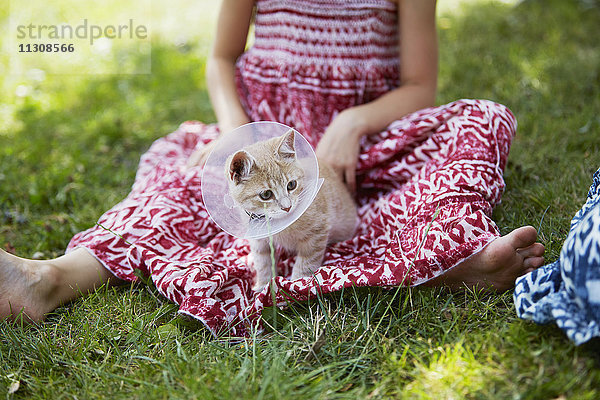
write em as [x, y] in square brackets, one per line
[568, 290]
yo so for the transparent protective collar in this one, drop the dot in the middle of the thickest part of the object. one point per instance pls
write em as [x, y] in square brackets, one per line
[215, 186]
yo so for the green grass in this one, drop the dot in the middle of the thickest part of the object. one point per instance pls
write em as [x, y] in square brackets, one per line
[69, 150]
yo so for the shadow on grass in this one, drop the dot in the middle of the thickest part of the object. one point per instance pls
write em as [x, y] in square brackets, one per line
[540, 58]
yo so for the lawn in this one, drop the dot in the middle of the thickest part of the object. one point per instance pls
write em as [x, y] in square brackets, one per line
[69, 145]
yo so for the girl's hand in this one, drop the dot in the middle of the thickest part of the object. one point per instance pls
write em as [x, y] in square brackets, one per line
[198, 157]
[340, 145]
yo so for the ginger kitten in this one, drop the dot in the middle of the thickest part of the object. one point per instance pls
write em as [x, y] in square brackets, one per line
[266, 176]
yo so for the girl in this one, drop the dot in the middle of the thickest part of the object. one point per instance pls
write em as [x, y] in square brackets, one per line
[350, 76]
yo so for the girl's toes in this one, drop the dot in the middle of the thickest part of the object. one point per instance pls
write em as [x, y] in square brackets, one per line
[533, 262]
[534, 250]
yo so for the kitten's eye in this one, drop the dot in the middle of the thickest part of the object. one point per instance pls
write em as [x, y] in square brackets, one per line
[292, 185]
[266, 195]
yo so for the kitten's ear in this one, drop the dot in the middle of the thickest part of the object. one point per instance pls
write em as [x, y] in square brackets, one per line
[286, 148]
[240, 166]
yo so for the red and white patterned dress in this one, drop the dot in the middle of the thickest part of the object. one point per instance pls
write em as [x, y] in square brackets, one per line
[427, 184]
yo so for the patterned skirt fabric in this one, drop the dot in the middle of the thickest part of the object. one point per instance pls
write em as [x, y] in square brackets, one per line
[568, 290]
[427, 188]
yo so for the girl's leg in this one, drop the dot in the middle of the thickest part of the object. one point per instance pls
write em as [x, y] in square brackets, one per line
[448, 180]
[498, 264]
[34, 288]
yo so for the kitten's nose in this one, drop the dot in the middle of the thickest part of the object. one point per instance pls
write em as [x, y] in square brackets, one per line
[285, 204]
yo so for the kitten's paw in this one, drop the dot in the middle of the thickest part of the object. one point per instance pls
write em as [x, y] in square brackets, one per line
[261, 282]
[298, 273]
[259, 286]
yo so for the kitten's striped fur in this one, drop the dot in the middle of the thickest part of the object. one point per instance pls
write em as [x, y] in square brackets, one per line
[267, 174]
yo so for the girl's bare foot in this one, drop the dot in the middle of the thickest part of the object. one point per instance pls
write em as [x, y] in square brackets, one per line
[498, 264]
[33, 288]
[26, 287]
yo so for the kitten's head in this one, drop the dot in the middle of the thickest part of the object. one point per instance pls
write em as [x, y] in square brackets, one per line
[266, 177]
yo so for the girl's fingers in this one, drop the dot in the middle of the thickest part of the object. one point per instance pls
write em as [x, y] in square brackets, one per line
[199, 156]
